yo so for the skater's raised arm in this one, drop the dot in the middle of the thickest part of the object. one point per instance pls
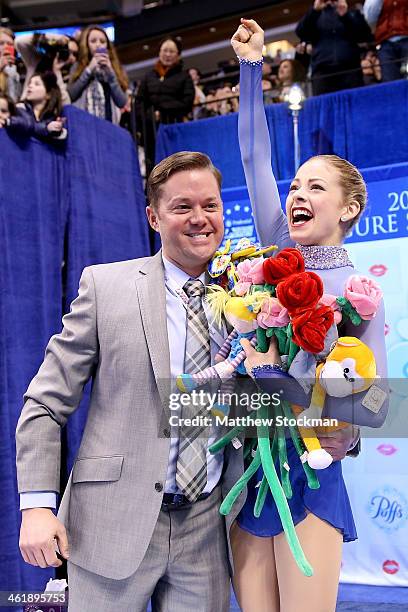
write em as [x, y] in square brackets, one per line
[254, 142]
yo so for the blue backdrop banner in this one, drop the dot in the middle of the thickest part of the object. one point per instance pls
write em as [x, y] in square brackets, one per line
[364, 125]
[386, 215]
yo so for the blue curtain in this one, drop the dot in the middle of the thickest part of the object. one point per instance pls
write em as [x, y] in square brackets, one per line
[61, 208]
[32, 232]
[366, 126]
[106, 215]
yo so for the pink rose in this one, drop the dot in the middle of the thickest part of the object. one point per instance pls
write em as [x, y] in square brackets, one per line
[328, 299]
[364, 295]
[249, 272]
[272, 314]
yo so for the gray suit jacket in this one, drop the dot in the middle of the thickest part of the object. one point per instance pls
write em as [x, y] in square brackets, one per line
[116, 333]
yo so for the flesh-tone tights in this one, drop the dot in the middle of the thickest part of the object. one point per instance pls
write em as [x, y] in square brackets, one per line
[266, 578]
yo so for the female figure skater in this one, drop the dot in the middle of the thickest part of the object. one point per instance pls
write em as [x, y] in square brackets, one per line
[326, 198]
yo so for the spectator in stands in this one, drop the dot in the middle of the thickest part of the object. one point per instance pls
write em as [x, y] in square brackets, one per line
[43, 53]
[7, 109]
[98, 83]
[302, 55]
[334, 33]
[166, 95]
[268, 78]
[66, 65]
[40, 113]
[9, 77]
[227, 100]
[370, 65]
[389, 18]
[167, 88]
[213, 106]
[199, 95]
[289, 72]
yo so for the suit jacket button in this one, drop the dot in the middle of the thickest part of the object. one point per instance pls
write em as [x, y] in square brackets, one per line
[166, 433]
[158, 486]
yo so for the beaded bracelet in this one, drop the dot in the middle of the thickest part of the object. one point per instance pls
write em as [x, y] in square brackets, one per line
[246, 62]
[275, 367]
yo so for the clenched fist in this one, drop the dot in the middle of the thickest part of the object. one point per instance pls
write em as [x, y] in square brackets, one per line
[248, 40]
[40, 532]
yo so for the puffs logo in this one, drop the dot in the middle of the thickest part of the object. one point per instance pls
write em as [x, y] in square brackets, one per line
[388, 508]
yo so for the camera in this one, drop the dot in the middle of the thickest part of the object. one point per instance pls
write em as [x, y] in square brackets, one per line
[51, 48]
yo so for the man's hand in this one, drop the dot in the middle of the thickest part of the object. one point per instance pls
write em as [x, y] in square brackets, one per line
[339, 442]
[248, 40]
[40, 529]
[255, 358]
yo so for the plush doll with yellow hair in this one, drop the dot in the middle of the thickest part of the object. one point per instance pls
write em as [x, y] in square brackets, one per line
[241, 313]
[349, 368]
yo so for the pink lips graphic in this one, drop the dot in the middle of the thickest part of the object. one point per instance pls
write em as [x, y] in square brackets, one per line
[378, 269]
[387, 449]
[390, 566]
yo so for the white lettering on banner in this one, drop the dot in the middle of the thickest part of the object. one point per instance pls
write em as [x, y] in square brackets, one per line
[377, 225]
[400, 200]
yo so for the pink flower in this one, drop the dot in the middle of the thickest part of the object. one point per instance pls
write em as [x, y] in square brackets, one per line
[364, 295]
[272, 314]
[328, 299]
[249, 272]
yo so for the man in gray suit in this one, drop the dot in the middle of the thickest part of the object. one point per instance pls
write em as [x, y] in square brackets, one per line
[134, 522]
[132, 532]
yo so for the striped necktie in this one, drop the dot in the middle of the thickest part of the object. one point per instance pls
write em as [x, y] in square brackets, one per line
[191, 475]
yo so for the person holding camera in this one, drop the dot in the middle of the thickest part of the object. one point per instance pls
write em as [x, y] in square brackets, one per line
[9, 77]
[46, 53]
[98, 83]
[334, 32]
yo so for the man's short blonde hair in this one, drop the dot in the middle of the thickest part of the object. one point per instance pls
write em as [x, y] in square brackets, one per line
[178, 162]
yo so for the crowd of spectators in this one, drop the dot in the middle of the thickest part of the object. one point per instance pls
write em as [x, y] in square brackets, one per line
[53, 71]
[340, 47]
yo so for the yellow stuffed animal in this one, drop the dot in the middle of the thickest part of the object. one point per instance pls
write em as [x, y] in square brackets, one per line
[349, 368]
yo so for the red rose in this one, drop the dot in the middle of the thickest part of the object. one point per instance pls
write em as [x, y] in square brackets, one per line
[287, 262]
[300, 292]
[310, 328]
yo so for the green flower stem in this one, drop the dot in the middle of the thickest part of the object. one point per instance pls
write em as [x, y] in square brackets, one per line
[262, 341]
[293, 351]
[240, 485]
[348, 310]
[261, 497]
[249, 446]
[283, 459]
[264, 487]
[219, 444]
[279, 497]
[312, 480]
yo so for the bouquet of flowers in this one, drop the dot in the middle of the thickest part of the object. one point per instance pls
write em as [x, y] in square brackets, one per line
[276, 297]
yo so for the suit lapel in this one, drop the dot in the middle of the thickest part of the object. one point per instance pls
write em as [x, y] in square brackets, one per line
[151, 291]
